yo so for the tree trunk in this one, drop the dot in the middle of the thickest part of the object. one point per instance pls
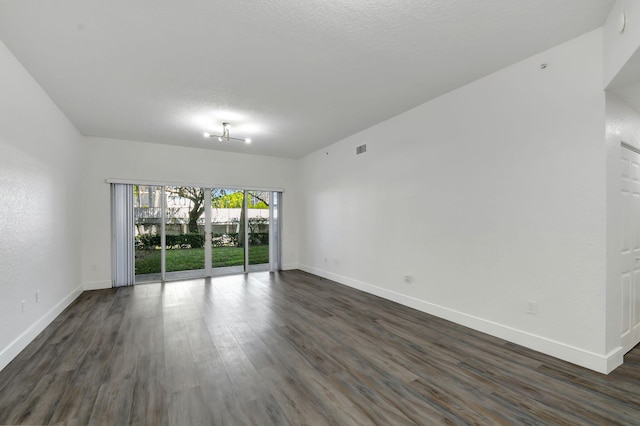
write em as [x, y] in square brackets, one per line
[241, 228]
[194, 214]
[196, 210]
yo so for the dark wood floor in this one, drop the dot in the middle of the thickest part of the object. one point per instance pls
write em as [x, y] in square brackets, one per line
[291, 348]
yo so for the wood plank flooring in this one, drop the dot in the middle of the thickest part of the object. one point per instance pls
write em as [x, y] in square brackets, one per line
[291, 348]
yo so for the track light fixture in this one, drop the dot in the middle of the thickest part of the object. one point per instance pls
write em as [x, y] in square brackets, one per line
[225, 135]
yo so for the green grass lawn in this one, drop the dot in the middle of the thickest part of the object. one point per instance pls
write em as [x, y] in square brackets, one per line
[148, 261]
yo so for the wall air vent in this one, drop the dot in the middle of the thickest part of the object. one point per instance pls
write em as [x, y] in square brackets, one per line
[361, 149]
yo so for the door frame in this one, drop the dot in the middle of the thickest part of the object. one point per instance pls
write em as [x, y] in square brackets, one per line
[209, 270]
[629, 291]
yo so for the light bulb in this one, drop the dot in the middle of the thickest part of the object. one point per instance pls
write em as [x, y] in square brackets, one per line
[206, 135]
[219, 139]
[247, 140]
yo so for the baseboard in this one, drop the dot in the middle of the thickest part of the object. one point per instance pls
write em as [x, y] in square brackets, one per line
[615, 358]
[21, 342]
[593, 361]
[96, 285]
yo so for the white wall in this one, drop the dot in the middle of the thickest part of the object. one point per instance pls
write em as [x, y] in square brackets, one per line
[108, 158]
[39, 223]
[500, 187]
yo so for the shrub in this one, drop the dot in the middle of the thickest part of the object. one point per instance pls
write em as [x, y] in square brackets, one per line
[258, 238]
[149, 242]
[195, 240]
[192, 240]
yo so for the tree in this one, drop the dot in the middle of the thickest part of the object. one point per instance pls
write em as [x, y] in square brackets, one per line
[262, 203]
[196, 196]
[219, 199]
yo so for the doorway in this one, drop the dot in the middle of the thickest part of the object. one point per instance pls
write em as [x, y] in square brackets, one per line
[630, 250]
[183, 232]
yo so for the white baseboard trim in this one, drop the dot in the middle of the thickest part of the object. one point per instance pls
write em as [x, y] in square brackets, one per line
[10, 352]
[614, 359]
[96, 285]
[593, 361]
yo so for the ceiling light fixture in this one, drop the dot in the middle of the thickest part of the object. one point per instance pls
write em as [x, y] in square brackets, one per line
[225, 135]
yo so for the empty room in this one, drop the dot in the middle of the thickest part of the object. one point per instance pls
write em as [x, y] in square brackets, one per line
[326, 212]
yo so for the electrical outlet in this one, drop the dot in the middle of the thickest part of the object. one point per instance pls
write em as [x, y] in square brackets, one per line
[37, 296]
[408, 279]
[532, 307]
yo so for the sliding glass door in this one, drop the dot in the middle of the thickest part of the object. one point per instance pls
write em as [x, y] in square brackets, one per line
[147, 214]
[188, 231]
[184, 232]
[258, 230]
[227, 251]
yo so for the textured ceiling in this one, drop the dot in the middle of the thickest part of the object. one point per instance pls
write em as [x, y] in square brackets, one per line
[293, 76]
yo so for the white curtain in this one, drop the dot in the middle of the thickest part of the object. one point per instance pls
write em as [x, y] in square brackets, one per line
[275, 232]
[122, 231]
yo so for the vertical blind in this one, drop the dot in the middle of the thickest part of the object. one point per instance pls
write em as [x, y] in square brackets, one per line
[275, 232]
[123, 234]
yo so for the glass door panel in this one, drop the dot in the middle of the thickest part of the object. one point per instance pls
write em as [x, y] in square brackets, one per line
[178, 236]
[147, 206]
[258, 211]
[227, 229]
[184, 232]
